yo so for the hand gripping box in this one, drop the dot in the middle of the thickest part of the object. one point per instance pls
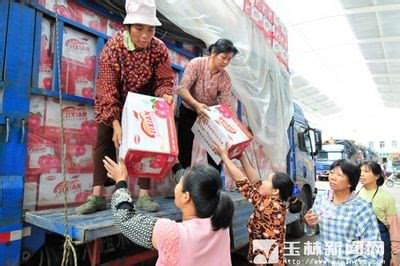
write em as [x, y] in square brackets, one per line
[222, 127]
[149, 145]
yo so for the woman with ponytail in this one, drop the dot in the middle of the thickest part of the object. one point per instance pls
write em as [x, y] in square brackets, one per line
[384, 207]
[271, 199]
[202, 238]
[204, 83]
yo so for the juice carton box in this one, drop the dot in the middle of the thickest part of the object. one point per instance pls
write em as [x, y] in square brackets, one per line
[222, 127]
[149, 145]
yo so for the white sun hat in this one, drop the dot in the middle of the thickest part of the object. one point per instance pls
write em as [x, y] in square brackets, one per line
[141, 12]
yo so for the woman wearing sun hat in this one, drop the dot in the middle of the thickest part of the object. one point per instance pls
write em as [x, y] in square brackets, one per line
[133, 60]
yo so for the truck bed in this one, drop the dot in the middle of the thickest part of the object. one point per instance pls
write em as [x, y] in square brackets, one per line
[86, 228]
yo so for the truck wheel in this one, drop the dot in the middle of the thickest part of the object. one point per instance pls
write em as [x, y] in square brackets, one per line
[389, 183]
[297, 227]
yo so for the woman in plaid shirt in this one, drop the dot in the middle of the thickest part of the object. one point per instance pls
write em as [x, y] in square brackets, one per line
[349, 232]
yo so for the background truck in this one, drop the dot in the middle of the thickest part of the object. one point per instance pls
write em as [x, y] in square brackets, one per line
[333, 150]
[48, 56]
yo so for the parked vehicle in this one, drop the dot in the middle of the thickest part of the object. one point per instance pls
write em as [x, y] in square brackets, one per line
[333, 150]
[394, 177]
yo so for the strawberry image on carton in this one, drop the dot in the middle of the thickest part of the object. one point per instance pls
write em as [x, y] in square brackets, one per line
[149, 145]
[51, 189]
[222, 127]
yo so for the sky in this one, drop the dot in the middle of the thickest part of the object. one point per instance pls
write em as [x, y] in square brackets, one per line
[324, 50]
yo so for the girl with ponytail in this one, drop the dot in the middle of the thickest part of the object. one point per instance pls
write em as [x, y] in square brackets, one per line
[384, 206]
[202, 238]
[271, 199]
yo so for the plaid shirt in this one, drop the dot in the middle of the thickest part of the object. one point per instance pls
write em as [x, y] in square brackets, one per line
[346, 227]
[122, 69]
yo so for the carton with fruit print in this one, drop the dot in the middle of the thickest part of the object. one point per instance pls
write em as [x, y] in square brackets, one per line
[30, 192]
[79, 158]
[46, 57]
[149, 145]
[79, 125]
[222, 127]
[36, 114]
[78, 63]
[43, 155]
[51, 189]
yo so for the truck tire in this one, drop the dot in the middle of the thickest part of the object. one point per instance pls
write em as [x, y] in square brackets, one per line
[389, 183]
[297, 227]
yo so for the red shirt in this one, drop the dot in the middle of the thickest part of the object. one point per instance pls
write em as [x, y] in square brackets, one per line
[147, 71]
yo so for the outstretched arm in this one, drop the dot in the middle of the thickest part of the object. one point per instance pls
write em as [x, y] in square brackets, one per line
[249, 170]
[233, 170]
[135, 226]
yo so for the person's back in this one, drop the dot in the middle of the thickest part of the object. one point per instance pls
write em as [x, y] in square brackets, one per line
[191, 242]
[202, 238]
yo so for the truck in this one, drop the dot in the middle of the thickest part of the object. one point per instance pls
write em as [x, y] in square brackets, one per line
[48, 55]
[335, 149]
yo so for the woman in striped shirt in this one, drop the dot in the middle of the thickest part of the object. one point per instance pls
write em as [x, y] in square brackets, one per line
[205, 83]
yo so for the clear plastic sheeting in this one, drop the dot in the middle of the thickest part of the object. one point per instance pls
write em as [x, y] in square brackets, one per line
[259, 82]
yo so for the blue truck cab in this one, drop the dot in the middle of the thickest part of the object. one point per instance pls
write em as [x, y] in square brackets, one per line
[334, 150]
[305, 143]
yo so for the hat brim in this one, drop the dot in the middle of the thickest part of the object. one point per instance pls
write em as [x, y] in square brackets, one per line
[141, 20]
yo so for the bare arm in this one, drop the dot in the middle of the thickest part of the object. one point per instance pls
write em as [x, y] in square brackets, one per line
[233, 170]
[190, 78]
[249, 170]
[187, 97]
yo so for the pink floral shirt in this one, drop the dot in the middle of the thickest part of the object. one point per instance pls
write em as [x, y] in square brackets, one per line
[192, 242]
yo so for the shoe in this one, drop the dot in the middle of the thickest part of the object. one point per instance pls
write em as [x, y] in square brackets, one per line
[147, 204]
[177, 176]
[93, 204]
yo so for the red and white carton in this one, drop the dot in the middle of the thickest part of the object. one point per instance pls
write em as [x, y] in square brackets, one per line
[149, 144]
[51, 189]
[43, 156]
[222, 127]
[113, 27]
[36, 113]
[30, 192]
[61, 7]
[78, 119]
[79, 158]
[46, 57]
[78, 63]
[91, 19]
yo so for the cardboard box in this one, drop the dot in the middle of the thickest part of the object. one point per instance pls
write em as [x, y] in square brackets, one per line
[46, 57]
[37, 109]
[78, 63]
[149, 144]
[113, 27]
[30, 192]
[79, 158]
[78, 121]
[222, 127]
[51, 193]
[43, 155]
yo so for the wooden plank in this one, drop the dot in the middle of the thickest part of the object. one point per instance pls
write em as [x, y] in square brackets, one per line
[85, 228]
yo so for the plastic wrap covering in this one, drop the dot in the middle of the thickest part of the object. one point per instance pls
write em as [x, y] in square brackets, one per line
[259, 81]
